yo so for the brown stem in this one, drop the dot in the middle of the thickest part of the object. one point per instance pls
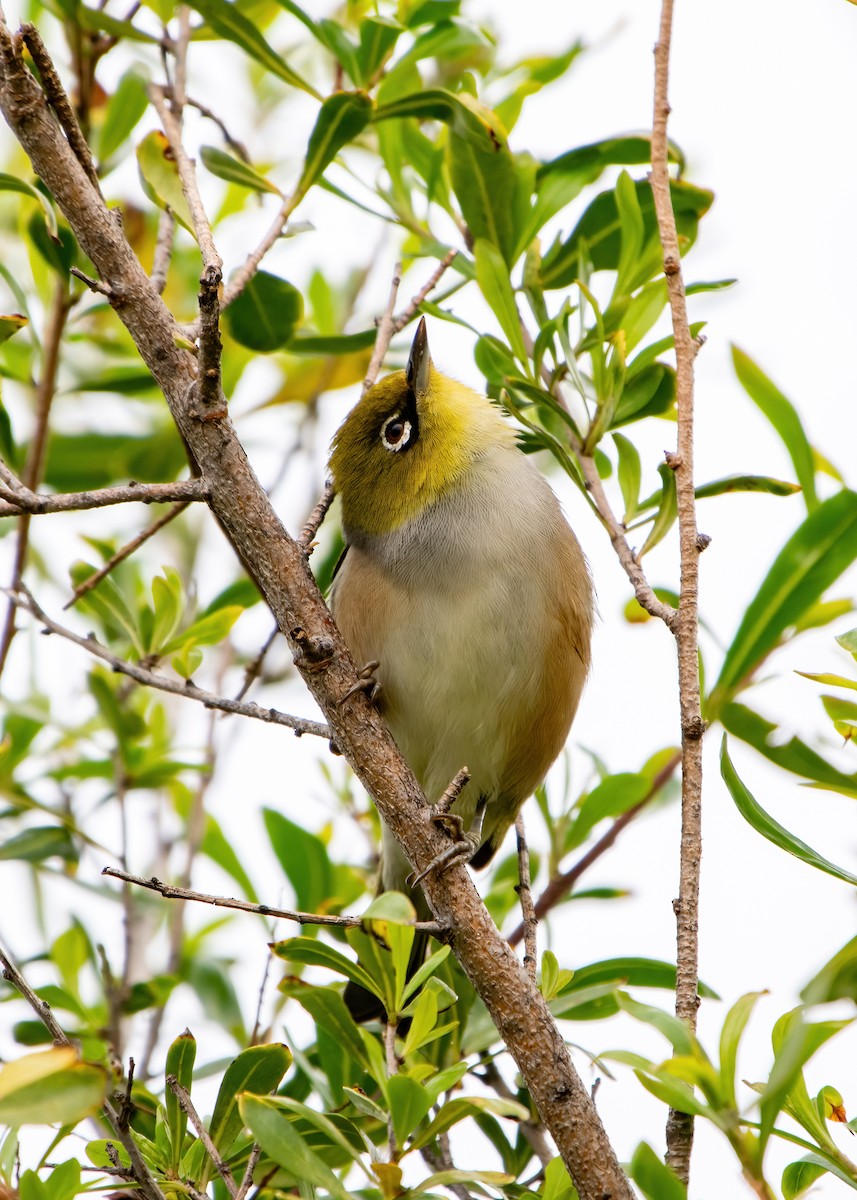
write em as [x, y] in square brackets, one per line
[525, 894]
[680, 1125]
[16, 503]
[38, 448]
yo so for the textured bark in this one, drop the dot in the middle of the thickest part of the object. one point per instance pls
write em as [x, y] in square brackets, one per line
[279, 567]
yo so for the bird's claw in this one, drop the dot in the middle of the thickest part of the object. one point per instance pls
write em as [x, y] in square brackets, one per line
[462, 849]
[367, 681]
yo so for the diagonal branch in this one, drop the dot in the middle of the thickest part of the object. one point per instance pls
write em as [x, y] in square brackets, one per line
[143, 675]
[278, 565]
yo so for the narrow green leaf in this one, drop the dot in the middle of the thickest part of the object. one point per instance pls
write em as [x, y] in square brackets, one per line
[259, 1069]
[485, 177]
[734, 1025]
[630, 475]
[813, 558]
[281, 1141]
[783, 415]
[12, 183]
[765, 824]
[233, 170]
[228, 22]
[837, 979]
[495, 1179]
[409, 1104]
[160, 177]
[124, 109]
[264, 317]
[304, 859]
[328, 1011]
[311, 952]
[794, 755]
[746, 483]
[667, 510]
[10, 324]
[180, 1059]
[341, 118]
[38, 844]
[492, 275]
[50, 1087]
[610, 798]
[654, 1177]
[798, 1177]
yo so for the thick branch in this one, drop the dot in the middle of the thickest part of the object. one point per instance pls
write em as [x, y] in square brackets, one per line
[679, 1125]
[175, 687]
[280, 569]
[171, 892]
[13, 503]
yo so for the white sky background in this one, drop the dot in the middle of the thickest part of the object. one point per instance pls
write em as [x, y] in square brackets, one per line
[762, 100]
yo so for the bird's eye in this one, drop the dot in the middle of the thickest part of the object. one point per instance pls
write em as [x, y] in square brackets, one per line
[396, 432]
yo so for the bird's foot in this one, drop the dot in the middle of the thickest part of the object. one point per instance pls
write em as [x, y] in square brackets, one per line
[464, 846]
[367, 681]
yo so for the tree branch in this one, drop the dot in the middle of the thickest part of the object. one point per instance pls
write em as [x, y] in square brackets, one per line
[407, 314]
[680, 1125]
[263, 910]
[279, 567]
[187, 1106]
[148, 678]
[14, 503]
[529, 922]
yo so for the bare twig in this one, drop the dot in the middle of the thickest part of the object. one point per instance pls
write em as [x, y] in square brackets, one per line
[254, 668]
[163, 250]
[316, 517]
[252, 1163]
[38, 447]
[263, 910]
[148, 1186]
[451, 793]
[559, 887]
[124, 552]
[272, 716]
[407, 314]
[59, 101]
[525, 894]
[250, 266]
[187, 1106]
[385, 331]
[14, 503]
[187, 175]
[680, 1125]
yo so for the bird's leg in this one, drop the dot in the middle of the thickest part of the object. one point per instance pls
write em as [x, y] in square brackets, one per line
[367, 681]
[465, 844]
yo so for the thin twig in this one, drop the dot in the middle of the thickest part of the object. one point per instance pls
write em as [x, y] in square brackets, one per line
[250, 266]
[187, 175]
[680, 1125]
[142, 1174]
[525, 895]
[272, 716]
[451, 793]
[252, 1163]
[262, 910]
[385, 331]
[317, 515]
[38, 447]
[59, 101]
[13, 504]
[187, 1106]
[532, 1130]
[124, 552]
[253, 669]
[559, 887]
[163, 250]
[408, 314]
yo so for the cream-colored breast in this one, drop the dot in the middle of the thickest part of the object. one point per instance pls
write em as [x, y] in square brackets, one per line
[479, 612]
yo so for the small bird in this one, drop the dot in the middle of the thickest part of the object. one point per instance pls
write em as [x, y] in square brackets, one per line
[466, 593]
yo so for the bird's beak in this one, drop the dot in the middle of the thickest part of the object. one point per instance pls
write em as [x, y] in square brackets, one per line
[419, 362]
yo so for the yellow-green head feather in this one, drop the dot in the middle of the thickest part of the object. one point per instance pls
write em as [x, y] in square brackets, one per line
[410, 439]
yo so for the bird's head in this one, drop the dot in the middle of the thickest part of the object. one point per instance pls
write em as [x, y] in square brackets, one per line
[409, 440]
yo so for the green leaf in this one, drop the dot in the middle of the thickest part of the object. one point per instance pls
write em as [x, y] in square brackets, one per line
[667, 510]
[378, 37]
[328, 1011]
[124, 109]
[304, 859]
[160, 177]
[233, 170]
[492, 275]
[38, 844]
[51, 1087]
[680, 1037]
[311, 952]
[836, 980]
[765, 824]
[264, 316]
[280, 1140]
[783, 416]
[180, 1059]
[9, 325]
[746, 483]
[228, 22]
[258, 1069]
[495, 1179]
[631, 971]
[597, 235]
[654, 1177]
[12, 183]
[630, 475]
[485, 178]
[409, 1104]
[341, 118]
[734, 1025]
[798, 1177]
[813, 558]
[793, 755]
[610, 798]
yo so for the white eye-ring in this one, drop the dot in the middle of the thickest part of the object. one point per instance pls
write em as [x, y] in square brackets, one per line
[396, 432]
